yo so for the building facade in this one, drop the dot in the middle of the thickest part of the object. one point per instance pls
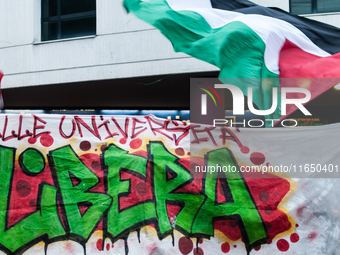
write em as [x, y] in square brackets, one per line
[96, 55]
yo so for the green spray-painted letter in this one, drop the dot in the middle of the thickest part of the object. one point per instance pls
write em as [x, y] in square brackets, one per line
[165, 163]
[241, 206]
[122, 221]
[42, 225]
[67, 166]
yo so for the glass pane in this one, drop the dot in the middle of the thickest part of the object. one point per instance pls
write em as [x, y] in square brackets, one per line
[328, 5]
[75, 6]
[48, 8]
[78, 27]
[301, 6]
[49, 31]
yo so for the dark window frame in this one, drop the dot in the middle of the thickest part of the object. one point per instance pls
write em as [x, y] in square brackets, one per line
[59, 18]
[314, 7]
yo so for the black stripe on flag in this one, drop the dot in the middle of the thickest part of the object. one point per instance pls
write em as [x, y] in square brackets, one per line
[325, 36]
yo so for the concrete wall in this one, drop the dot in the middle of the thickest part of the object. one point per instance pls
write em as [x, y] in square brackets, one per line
[123, 47]
[330, 18]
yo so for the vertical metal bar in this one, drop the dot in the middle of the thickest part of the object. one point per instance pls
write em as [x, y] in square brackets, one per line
[314, 6]
[43, 5]
[59, 19]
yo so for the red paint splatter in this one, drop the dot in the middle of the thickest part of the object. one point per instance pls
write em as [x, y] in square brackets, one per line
[83, 209]
[180, 151]
[268, 211]
[245, 150]
[142, 189]
[85, 145]
[99, 244]
[235, 246]
[189, 153]
[107, 246]
[185, 245]
[297, 225]
[70, 248]
[140, 153]
[221, 197]
[200, 241]
[173, 210]
[294, 238]
[75, 181]
[233, 223]
[193, 187]
[257, 248]
[229, 228]
[112, 246]
[264, 196]
[32, 140]
[198, 251]
[257, 158]
[89, 159]
[32, 202]
[46, 140]
[23, 188]
[134, 197]
[276, 221]
[269, 226]
[136, 143]
[122, 141]
[282, 245]
[312, 236]
[268, 164]
[225, 247]
[103, 147]
[300, 210]
[95, 165]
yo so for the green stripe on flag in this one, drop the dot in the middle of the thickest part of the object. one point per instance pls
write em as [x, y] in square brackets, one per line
[235, 48]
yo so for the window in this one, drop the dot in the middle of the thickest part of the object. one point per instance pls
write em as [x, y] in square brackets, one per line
[67, 18]
[314, 6]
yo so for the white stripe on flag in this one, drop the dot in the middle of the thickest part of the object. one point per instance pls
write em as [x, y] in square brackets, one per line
[273, 32]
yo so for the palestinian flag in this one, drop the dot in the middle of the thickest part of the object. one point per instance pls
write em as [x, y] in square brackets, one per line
[249, 41]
